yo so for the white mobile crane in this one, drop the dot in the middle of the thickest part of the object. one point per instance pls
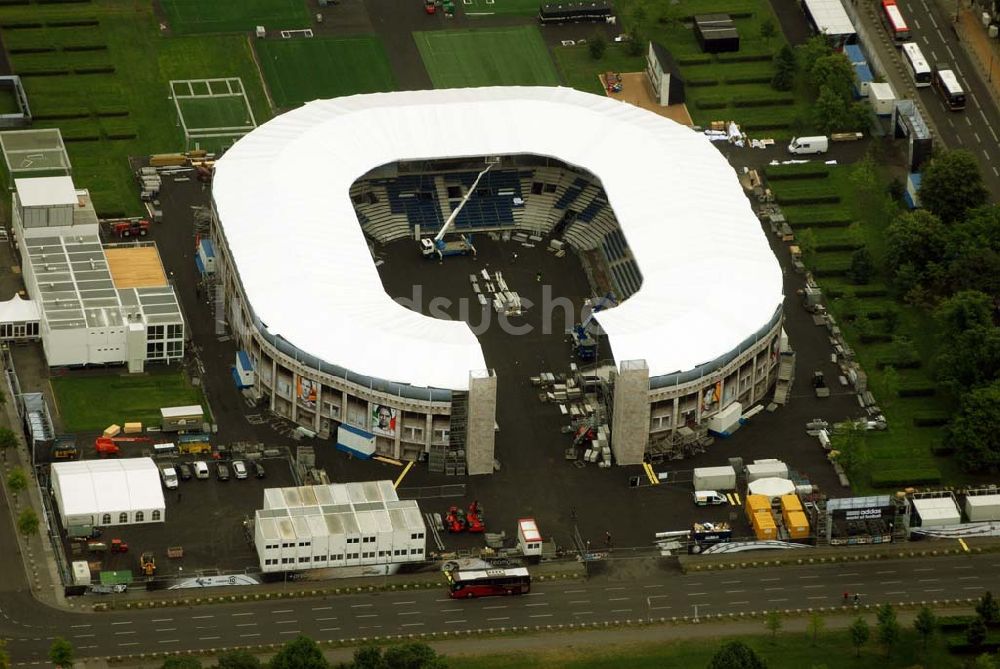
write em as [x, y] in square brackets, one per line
[461, 246]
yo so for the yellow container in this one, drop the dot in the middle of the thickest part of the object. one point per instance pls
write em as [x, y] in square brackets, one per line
[790, 503]
[763, 525]
[133, 428]
[757, 503]
[112, 430]
[797, 524]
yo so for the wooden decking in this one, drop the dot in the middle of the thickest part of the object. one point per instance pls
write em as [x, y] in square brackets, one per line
[135, 267]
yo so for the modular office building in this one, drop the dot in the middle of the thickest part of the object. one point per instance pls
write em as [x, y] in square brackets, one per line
[338, 525]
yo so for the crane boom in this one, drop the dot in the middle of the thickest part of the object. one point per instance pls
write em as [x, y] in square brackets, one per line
[451, 219]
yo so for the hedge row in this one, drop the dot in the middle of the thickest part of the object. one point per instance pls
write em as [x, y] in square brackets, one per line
[62, 115]
[906, 477]
[73, 23]
[802, 171]
[738, 57]
[697, 82]
[809, 199]
[942, 450]
[756, 126]
[870, 291]
[933, 419]
[822, 223]
[875, 338]
[917, 391]
[959, 646]
[756, 79]
[694, 60]
[18, 25]
[839, 246]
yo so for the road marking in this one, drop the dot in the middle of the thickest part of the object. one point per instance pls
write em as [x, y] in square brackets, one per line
[453, 622]
[968, 122]
[930, 568]
[916, 23]
[358, 606]
[967, 578]
[781, 599]
[959, 70]
[698, 583]
[696, 594]
[579, 601]
[658, 585]
[617, 599]
[971, 587]
[538, 604]
[743, 602]
[583, 613]
[246, 625]
[248, 613]
[886, 571]
[950, 122]
[938, 31]
[931, 17]
[890, 582]
[573, 592]
[125, 622]
[986, 154]
[620, 610]
[815, 576]
[950, 52]
[772, 589]
[404, 603]
[996, 172]
[284, 632]
[534, 594]
[418, 624]
[541, 615]
[84, 625]
[446, 599]
[408, 613]
[817, 597]
[933, 589]
[327, 608]
[617, 587]
[776, 578]
[453, 610]
[170, 629]
[814, 586]
[926, 41]
[160, 620]
[320, 620]
[502, 606]
[169, 641]
[130, 643]
[330, 629]
[285, 622]
[934, 57]
[730, 582]
[850, 573]
[929, 580]
[123, 633]
[288, 611]
[82, 636]
[208, 638]
[733, 592]
[658, 608]
[244, 636]
[489, 620]
[200, 617]
[366, 615]
[897, 592]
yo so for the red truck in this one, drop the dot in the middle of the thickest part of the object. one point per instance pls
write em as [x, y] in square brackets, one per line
[126, 229]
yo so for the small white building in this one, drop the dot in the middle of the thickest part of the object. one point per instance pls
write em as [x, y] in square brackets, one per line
[122, 491]
[338, 525]
[937, 511]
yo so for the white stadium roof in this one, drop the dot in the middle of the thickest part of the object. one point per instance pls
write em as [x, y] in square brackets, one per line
[710, 279]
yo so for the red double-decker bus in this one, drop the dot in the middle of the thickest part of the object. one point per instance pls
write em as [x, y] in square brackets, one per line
[488, 582]
[894, 22]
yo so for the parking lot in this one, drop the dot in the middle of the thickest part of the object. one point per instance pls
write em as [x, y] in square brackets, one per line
[206, 518]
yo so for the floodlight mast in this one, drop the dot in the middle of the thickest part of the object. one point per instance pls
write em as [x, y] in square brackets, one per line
[454, 214]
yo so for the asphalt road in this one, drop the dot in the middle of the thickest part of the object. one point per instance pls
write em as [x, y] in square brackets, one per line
[604, 598]
[973, 129]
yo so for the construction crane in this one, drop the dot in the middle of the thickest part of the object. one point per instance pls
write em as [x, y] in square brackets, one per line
[584, 338]
[461, 246]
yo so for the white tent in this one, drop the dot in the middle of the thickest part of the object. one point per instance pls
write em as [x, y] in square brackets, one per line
[108, 492]
[710, 279]
[772, 487]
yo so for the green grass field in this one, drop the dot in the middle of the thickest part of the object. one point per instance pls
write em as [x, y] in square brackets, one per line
[488, 57]
[219, 16]
[215, 112]
[108, 116]
[580, 71]
[89, 403]
[297, 71]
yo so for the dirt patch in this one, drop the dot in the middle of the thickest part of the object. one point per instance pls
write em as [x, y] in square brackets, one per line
[637, 91]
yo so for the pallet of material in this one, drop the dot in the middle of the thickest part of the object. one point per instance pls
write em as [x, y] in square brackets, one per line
[133, 428]
[112, 430]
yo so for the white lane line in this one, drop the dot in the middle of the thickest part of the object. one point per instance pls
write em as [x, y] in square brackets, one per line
[130, 643]
[657, 585]
[285, 622]
[815, 576]
[934, 57]
[161, 620]
[404, 603]
[579, 601]
[933, 589]
[924, 38]
[169, 641]
[534, 594]
[489, 620]
[740, 602]
[897, 592]
[359, 606]
[814, 586]
[959, 70]
[208, 638]
[968, 122]
[327, 608]
[620, 610]
[288, 632]
[967, 578]
[82, 636]
[583, 613]
[729, 582]
[169, 629]
[126, 622]
[928, 580]
[931, 17]
[124, 633]
[286, 611]
[693, 583]
[618, 599]
[246, 625]
[369, 627]
[773, 589]
[76, 626]
[950, 52]
[502, 606]
[733, 592]
[245, 636]
[321, 620]
[850, 573]
[446, 599]
[617, 587]
[454, 622]
[985, 153]
[329, 629]
[781, 599]
[996, 172]
[916, 23]
[696, 594]
[930, 568]
[460, 609]
[248, 613]
[366, 615]
[573, 592]
[408, 613]
[886, 571]
[817, 597]
[418, 624]
[538, 604]
[770, 579]
[658, 608]
[541, 615]
[200, 617]
[890, 582]
[971, 587]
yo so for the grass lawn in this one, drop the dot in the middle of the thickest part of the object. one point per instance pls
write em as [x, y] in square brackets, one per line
[487, 57]
[124, 110]
[89, 403]
[788, 651]
[904, 445]
[214, 112]
[580, 71]
[508, 7]
[220, 16]
[297, 71]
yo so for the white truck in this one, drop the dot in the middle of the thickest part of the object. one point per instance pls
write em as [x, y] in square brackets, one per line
[169, 476]
[714, 478]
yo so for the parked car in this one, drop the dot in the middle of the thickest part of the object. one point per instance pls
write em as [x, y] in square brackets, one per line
[239, 469]
[258, 470]
[201, 470]
[169, 476]
[184, 471]
[222, 472]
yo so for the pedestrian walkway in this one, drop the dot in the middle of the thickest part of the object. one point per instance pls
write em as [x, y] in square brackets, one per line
[982, 50]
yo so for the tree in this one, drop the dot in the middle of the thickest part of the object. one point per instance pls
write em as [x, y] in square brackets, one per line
[784, 69]
[816, 625]
[7, 438]
[972, 433]
[413, 656]
[773, 623]
[367, 657]
[925, 624]
[767, 30]
[987, 608]
[915, 251]
[806, 241]
[888, 627]
[17, 481]
[597, 45]
[829, 110]
[851, 443]
[888, 386]
[736, 655]
[61, 652]
[859, 634]
[969, 351]
[299, 653]
[238, 659]
[862, 267]
[975, 633]
[182, 662]
[984, 661]
[4, 655]
[27, 523]
[951, 185]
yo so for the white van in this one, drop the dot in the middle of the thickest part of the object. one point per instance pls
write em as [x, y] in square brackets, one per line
[708, 498]
[200, 470]
[169, 475]
[808, 145]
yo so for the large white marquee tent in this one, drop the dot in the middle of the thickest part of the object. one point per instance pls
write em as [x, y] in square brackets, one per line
[122, 491]
[710, 279]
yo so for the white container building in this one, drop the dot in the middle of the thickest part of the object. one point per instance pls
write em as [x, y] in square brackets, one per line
[937, 511]
[761, 469]
[338, 525]
[714, 478]
[982, 507]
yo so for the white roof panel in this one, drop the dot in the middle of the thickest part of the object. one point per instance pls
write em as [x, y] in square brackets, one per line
[45, 191]
[830, 16]
[106, 486]
[677, 200]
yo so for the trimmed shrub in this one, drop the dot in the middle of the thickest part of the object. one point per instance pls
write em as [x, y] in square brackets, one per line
[17, 25]
[755, 79]
[739, 57]
[942, 450]
[917, 391]
[711, 104]
[762, 101]
[63, 115]
[73, 23]
[870, 291]
[828, 223]
[42, 72]
[833, 247]
[875, 338]
[695, 60]
[804, 171]
[906, 477]
[102, 69]
[754, 126]
[808, 199]
[699, 82]
[85, 47]
[931, 419]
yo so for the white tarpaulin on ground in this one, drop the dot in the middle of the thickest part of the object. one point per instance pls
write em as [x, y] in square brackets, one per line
[772, 487]
[710, 279]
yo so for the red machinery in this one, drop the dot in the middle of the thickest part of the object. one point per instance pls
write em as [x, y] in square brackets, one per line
[119, 546]
[455, 520]
[430, 7]
[106, 446]
[130, 228]
[474, 519]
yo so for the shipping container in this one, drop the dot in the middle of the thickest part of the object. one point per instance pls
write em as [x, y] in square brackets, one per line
[757, 503]
[763, 525]
[982, 507]
[790, 503]
[767, 469]
[797, 524]
[714, 478]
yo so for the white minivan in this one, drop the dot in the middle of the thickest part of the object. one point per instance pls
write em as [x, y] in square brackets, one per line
[809, 145]
[200, 470]
[708, 498]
